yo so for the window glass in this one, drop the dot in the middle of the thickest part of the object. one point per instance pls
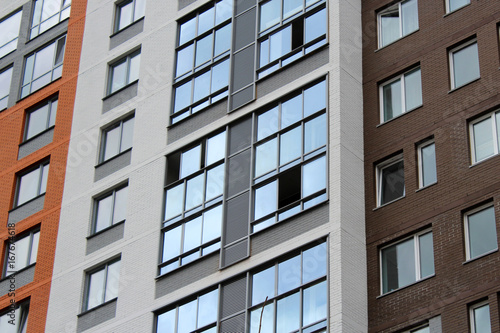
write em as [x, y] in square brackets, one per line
[409, 18]
[421, 330]
[393, 105]
[265, 282]
[485, 137]
[314, 176]
[269, 14]
[288, 313]
[266, 157]
[289, 149]
[456, 4]
[465, 62]
[315, 299]
[111, 209]
[118, 139]
[215, 182]
[288, 274]
[391, 182]
[291, 111]
[174, 201]
[102, 285]
[21, 253]
[428, 174]
[481, 319]
[397, 21]
[48, 13]
[194, 192]
[315, 133]
[124, 72]
[222, 40]
[413, 90]
[129, 12]
[203, 50]
[389, 26]
[265, 200]
[5, 79]
[173, 239]
[20, 312]
[481, 231]
[216, 148]
[314, 263]
[10, 33]
[40, 119]
[267, 123]
[32, 184]
[315, 26]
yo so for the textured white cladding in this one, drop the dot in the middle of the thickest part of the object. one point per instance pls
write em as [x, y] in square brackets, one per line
[140, 245]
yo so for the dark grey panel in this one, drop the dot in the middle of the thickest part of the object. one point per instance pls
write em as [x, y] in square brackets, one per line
[197, 121]
[102, 239]
[184, 3]
[239, 173]
[96, 316]
[240, 135]
[233, 297]
[236, 224]
[289, 229]
[244, 29]
[112, 165]
[185, 275]
[242, 5]
[234, 324]
[242, 97]
[19, 280]
[20, 213]
[234, 253]
[243, 68]
[119, 97]
[35, 143]
[124, 35]
[291, 73]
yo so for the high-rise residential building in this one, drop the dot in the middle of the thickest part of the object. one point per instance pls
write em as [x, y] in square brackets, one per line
[40, 43]
[432, 170]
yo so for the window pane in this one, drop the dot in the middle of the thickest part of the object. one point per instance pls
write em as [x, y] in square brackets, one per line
[263, 285]
[314, 303]
[192, 234]
[10, 32]
[426, 255]
[220, 76]
[482, 323]
[135, 62]
[194, 191]
[413, 90]
[112, 283]
[269, 14]
[290, 147]
[314, 177]
[483, 139]
[398, 265]
[264, 53]
[174, 201]
[288, 314]
[289, 275]
[222, 40]
[182, 96]
[96, 289]
[314, 263]
[118, 76]
[291, 111]
[120, 211]
[190, 161]
[28, 186]
[392, 100]
[315, 133]
[53, 112]
[125, 15]
[112, 143]
[127, 134]
[184, 60]
[206, 21]
[266, 157]
[267, 320]
[482, 232]
[465, 65]
[207, 308]
[215, 182]
[267, 123]
[291, 7]
[172, 243]
[314, 98]
[389, 26]
[212, 220]
[216, 148]
[204, 50]
[455, 4]
[104, 207]
[223, 11]
[37, 121]
[43, 182]
[315, 26]
[140, 8]
[392, 182]
[34, 247]
[187, 31]
[50, 7]
[44, 60]
[280, 43]
[498, 128]
[201, 86]
[21, 253]
[5, 78]
[410, 16]
[187, 317]
[429, 175]
[166, 322]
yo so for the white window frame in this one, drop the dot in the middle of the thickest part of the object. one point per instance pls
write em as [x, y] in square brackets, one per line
[472, 316]
[378, 169]
[125, 59]
[379, 22]
[11, 39]
[451, 11]
[452, 64]
[105, 138]
[12, 263]
[51, 114]
[133, 19]
[424, 144]
[104, 267]
[496, 148]
[62, 14]
[466, 231]
[40, 167]
[97, 200]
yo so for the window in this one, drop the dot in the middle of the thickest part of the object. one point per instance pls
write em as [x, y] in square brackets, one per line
[427, 173]
[296, 292]
[480, 232]
[110, 209]
[10, 33]
[390, 180]
[423, 329]
[400, 94]
[290, 162]
[5, 78]
[480, 318]
[202, 60]
[464, 64]
[40, 119]
[197, 315]
[397, 21]
[43, 67]
[485, 136]
[124, 71]
[32, 184]
[290, 33]
[21, 253]
[117, 139]
[47, 14]
[452, 5]
[407, 261]
[102, 285]
[20, 314]
[128, 12]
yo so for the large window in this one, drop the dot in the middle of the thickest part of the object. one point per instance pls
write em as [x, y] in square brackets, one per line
[20, 323]
[293, 292]
[464, 64]
[5, 79]
[202, 60]
[452, 5]
[290, 162]
[124, 71]
[485, 136]
[32, 184]
[47, 14]
[480, 318]
[117, 139]
[127, 12]
[400, 94]
[390, 180]
[427, 173]
[407, 261]
[40, 118]
[288, 31]
[480, 232]
[21, 253]
[397, 21]
[43, 67]
[197, 315]
[110, 209]
[102, 285]
[10, 32]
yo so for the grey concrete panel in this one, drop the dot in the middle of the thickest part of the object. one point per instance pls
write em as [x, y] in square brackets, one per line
[234, 324]
[125, 34]
[235, 253]
[197, 121]
[112, 165]
[242, 5]
[119, 97]
[35, 143]
[186, 275]
[289, 229]
[435, 325]
[26, 210]
[96, 316]
[104, 238]
[244, 29]
[240, 135]
[232, 297]
[236, 223]
[242, 97]
[293, 72]
[239, 173]
[243, 68]
[17, 280]
[184, 3]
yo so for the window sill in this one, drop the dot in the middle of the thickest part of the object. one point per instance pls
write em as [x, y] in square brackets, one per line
[126, 27]
[424, 187]
[464, 85]
[479, 257]
[105, 229]
[119, 90]
[388, 203]
[159, 277]
[113, 158]
[483, 160]
[401, 115]
[7, 277]
[97, 307]
[407, 286]
[397, 40]
[37, 135]
[456, 10]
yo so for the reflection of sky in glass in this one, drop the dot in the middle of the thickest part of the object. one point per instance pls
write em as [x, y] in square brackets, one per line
[187, 317]
[267, 320]
[314, 303]
[207, 306]
[289, 274]
[288, 314]
[166, 321]
[265, 200]
[263, 283]
[314, 263]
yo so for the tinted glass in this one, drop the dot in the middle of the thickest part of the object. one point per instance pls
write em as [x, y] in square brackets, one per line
[482, 322]
[426, 255]
[192, 234]
[267, 123]
[269, 14]
[204, 50]
[290, 147]
[398, 265]
[465, 65]
[194, 191]
[392, 100]
[291, 111]
[429, 175]
[315, 133]
[215, 182]
[314, 98]
[184, 60]
[212, 220]
[482, 232]
[392, 182]
[413, 90]
[190, 161]
[483, 139]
